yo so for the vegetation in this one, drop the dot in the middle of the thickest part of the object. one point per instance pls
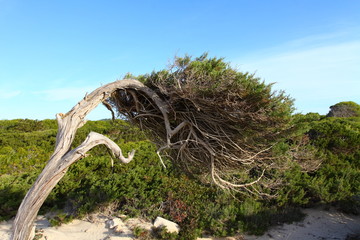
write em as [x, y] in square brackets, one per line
[219, 124]
[312, 159]
[144, 188]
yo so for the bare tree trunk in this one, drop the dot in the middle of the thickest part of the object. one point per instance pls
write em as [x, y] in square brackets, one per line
[64, 156]
[212, 142]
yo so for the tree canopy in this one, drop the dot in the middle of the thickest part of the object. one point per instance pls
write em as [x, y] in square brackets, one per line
[217, 121]
[212, 121]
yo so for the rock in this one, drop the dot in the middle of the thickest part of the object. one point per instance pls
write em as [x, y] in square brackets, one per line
[118, 225]
[171, 227]
[344, 109]
[112, 223]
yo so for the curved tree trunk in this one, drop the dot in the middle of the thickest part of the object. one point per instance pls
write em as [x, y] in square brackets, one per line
[64, 156]
[184, 134]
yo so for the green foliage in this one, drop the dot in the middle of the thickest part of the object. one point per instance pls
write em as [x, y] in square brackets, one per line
[93, 181]
[25, 146]
[338, 135]
[215, 81]
[144, 188]
[228, 120]
[296, 191]
[339, 177]
[60, 218]
[162, 234]
[12, 190]
[26, 125]
[141, 233]
[141, 188]
[337, 180]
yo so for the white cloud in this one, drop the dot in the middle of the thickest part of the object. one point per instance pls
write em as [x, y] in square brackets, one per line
[8, 94]
[63, 99]
[316, 75]
[61, 94]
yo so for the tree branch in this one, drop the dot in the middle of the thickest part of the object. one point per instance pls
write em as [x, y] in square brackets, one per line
[63, 156]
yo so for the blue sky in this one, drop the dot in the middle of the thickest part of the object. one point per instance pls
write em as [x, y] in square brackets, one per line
[53, 52]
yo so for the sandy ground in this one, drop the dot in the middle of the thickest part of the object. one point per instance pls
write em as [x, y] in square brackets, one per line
[319, 224]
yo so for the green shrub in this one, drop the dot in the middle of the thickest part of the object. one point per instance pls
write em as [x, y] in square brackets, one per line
[144, 188]
[12, 190]
[337, 180]
[225, 117]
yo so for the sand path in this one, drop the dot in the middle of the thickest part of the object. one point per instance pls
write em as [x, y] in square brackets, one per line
[319, 224]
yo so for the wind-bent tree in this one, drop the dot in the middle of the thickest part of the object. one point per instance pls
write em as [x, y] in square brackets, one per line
[208, 118]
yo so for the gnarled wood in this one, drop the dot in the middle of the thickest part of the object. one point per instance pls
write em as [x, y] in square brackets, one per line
[208, 138]
[64, 156]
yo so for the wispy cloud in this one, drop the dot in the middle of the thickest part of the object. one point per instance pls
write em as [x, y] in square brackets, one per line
[8, 94]
[69, 93]
[315, 75]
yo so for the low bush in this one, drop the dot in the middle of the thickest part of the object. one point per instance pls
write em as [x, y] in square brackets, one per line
[144, 188]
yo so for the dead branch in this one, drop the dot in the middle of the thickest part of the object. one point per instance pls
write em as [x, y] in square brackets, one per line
[226, 133]
[64, 156]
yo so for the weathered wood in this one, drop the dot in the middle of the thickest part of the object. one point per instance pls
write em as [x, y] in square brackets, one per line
[64, 156]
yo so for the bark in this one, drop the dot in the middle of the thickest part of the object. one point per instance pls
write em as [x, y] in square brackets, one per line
[64, 156]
